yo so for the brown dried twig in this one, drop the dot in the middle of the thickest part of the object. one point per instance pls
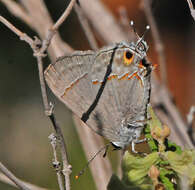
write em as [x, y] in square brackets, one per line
[190, 119]
[48, 111]
[13, 178]
[85, 26]
[56, 163]
[157, 40]
[5, 179]
[125, 22]
[192, 10]
[103, 21]
[100, 167]
[39, 54]
[34, 11]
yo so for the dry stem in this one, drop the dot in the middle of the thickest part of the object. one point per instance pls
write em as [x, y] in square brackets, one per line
[5, 179]
[39, 54]
[157, 40]
[86, 28]
[192, 10]
[12, 177]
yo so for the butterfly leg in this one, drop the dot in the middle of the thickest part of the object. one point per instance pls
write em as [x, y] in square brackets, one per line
[133, 147]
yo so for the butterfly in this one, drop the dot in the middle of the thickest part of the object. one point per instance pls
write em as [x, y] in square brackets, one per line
[108, 89]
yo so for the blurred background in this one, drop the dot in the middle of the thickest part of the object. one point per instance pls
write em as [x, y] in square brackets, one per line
[24, 129]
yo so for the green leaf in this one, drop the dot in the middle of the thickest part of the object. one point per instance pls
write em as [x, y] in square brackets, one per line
[183, 164]
[164, 173]
[135, 168]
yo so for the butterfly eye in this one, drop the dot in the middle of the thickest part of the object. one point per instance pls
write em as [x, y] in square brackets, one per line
[128, 57]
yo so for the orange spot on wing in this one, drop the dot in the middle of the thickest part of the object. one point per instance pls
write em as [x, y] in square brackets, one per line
[137, 76]
[112, 77]
[95, 82]
[124, 76]
[73, 84]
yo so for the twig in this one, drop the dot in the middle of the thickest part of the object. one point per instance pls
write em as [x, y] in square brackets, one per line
[157, 40]
[190, 4]
[56, 163]
[64, 15]
[35, 11]
[85, 26]
[18, 11]
[192, 10]
[100, 167]
[67, 168]
[22, 35]
[5, 179]
[103, 21]
[161, 96]
[39, 54]
[190, 118]
[125, 22]
[12, 177]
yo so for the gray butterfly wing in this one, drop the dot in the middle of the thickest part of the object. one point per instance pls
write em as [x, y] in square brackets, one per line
[77, 79]
[69, 80]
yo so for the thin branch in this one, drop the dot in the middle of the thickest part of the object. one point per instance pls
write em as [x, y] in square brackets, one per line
[100, 167]
[192, 10]
[103, 21]
[67, 168]
[64, 15]
[56, 163]
[190, 118]
[86, 27]
[22, 35]
[13, 178]
[190, 4]
[17, 10]
[6, 180]
[34, 10]
[39, 54]
[161, 96]
[157, 40]
[125, 22]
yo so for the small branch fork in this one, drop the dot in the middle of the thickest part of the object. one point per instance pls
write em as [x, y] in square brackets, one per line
[39, 53]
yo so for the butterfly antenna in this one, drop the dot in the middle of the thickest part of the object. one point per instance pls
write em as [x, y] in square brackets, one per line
[147, 28]
[89, 161]
[134, 30]
[141, 38]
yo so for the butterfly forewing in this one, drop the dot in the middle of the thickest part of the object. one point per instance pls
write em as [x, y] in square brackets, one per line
[77, 79]
[68, 78]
